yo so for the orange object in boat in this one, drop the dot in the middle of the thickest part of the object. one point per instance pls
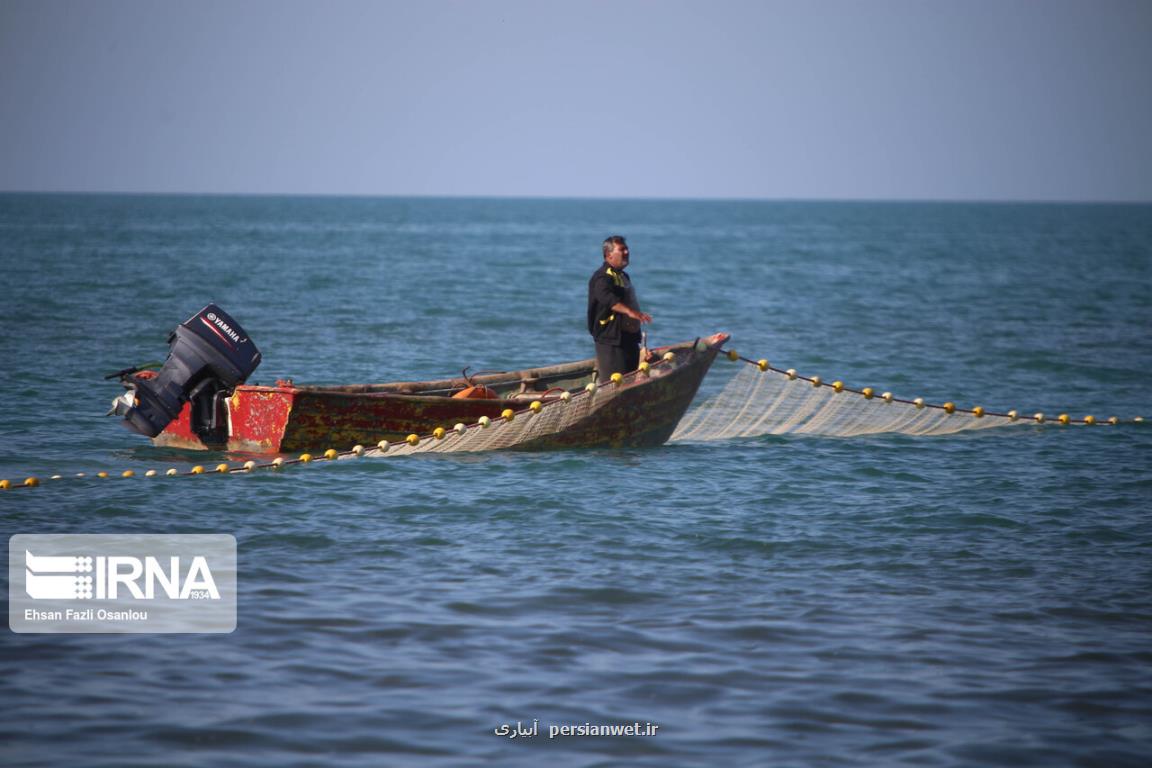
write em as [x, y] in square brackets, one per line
[476, 393]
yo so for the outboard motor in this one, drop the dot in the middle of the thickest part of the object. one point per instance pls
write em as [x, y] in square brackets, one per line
[209, 355]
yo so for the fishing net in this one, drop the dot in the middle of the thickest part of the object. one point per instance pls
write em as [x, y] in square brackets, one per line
[758, 400]
[772, 402]
[501, 433]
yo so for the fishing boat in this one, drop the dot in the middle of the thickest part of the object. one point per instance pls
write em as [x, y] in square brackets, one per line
[198, 400]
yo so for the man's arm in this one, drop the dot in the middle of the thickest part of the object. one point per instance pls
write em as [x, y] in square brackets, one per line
[602, 292]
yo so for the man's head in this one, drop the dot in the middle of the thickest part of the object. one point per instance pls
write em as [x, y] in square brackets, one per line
[616, 252]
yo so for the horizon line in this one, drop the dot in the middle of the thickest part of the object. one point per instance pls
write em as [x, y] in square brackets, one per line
[606, 198]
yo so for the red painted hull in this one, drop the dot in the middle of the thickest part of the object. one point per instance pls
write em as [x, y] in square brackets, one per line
[288, 418]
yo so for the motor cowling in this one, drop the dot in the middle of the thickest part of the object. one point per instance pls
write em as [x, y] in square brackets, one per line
[209, 355]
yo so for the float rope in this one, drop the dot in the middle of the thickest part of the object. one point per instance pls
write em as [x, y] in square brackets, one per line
[977, 411]
[407, 445]
[413, 441]
[765, 400]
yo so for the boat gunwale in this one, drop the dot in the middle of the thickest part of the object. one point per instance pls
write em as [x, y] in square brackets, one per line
[414, 390]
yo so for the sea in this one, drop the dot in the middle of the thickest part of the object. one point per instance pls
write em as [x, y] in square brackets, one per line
[978, 599]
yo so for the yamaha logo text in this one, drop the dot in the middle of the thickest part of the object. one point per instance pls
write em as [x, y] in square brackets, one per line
[223, 326]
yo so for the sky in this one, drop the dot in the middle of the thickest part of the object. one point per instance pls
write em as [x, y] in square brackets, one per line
[972, 100]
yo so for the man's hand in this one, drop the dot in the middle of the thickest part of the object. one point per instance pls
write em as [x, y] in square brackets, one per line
[643, 317]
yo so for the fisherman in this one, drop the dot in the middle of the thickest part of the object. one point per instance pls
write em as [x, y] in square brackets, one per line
[614, 315]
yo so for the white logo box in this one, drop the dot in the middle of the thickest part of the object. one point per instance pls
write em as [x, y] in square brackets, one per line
[137, 583]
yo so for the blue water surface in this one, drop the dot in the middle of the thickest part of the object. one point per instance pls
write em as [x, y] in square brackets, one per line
[977, 599]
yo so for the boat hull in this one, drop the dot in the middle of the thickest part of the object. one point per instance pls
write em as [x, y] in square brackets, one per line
[286, 418]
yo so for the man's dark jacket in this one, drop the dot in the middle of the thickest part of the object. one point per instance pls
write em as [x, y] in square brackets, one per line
[604, 292]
